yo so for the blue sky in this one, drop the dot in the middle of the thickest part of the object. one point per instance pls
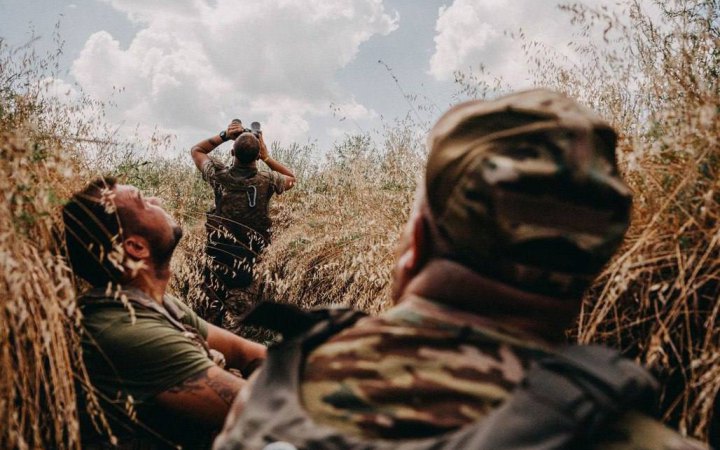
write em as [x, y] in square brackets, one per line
[189, 66]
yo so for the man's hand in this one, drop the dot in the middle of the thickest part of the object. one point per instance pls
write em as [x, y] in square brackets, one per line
[240, 353]
[264, 153]
[235, 129]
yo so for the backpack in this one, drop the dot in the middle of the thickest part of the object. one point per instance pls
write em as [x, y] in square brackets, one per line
[565, 401]
[238, 228]
[242, 205]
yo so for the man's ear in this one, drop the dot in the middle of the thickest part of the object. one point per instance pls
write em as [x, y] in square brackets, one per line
[413, 252]
[416, 253]
[136, 247]
[420, 243]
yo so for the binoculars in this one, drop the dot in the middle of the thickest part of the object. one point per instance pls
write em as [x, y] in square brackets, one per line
[254, 128]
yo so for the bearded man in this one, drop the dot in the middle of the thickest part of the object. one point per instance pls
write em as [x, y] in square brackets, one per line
[158, 370]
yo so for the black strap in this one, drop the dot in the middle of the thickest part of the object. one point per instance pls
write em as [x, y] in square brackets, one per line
[568, 399]
[289, 320]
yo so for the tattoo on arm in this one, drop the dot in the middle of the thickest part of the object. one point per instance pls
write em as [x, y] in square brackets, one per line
[226, 389]
[193, 383]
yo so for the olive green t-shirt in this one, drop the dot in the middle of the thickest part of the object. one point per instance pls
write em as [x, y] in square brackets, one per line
[135, 348]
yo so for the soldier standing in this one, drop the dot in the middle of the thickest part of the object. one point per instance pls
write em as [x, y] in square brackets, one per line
[238, 227]
[522, 205]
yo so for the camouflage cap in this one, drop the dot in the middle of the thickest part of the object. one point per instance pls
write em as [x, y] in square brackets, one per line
[526, 189]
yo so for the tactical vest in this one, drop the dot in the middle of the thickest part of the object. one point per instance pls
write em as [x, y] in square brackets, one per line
[565, 401]
[242, 203]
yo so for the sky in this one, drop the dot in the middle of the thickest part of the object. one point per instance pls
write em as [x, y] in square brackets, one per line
[311, 71]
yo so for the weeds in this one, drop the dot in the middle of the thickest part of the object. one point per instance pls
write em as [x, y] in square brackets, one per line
[655, 79]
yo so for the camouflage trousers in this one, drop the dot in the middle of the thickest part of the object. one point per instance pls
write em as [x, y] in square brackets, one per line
[238, 303]
[226, 299]
[228, 314]
[231, 290]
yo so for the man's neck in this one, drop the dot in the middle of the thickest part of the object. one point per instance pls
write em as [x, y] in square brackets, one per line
[238, 165]
[152, 282]
[455, 285]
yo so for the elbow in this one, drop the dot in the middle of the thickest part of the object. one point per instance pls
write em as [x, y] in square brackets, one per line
[290, 182]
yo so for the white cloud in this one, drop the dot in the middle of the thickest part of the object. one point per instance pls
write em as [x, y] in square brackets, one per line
[337, 133]
[474, 32]
[193, 66]
[354, 110]
[471, 32]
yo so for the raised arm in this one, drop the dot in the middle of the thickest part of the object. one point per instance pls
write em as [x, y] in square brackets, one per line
[199, 152]
[277, 166]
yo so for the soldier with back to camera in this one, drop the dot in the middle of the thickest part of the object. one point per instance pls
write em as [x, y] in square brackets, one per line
[238, 227]
[521, 206]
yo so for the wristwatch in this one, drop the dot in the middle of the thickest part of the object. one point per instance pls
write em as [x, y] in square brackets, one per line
[223, 135]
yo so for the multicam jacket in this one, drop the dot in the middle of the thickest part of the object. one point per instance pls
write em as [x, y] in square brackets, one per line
[242, 197]
[422, 369]
[239, 226]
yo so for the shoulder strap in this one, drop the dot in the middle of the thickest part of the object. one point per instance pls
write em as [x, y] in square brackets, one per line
[568, 399]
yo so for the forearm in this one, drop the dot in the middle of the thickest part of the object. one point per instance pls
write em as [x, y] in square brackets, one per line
[199, 152]
[245, 354]
[238, 352]
[207, 145]
[279, 167]
[205, 397]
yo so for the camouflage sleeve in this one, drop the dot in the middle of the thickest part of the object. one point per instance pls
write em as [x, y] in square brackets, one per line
[209, 169]
[277, 181]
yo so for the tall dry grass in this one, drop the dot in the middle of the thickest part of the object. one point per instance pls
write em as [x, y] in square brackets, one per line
[335, 233]
[654, 76]
[40, 362]
[50, 146]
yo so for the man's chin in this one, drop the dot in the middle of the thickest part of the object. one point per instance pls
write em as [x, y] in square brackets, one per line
[177, 235]
[164, 255]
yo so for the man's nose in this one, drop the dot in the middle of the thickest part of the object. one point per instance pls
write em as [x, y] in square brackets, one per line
[155, 201]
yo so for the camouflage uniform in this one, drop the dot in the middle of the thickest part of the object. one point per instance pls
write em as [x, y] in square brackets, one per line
[523, 190]
[422, 369]
[238, 229]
